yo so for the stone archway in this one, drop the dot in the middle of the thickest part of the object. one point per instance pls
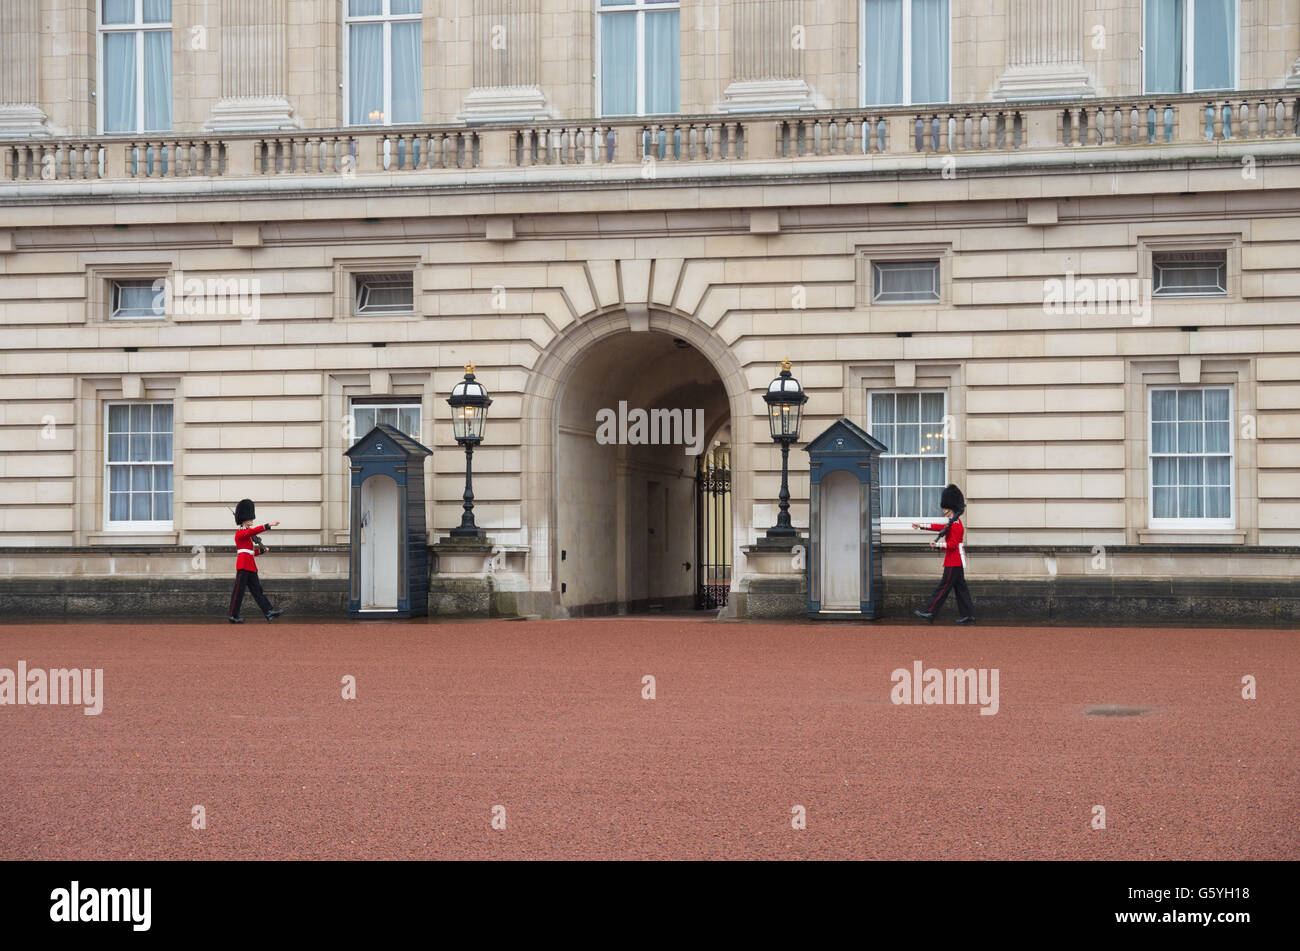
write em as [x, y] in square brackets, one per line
[567, 379]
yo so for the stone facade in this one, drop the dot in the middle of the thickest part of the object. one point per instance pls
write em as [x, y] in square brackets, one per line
[666, 261]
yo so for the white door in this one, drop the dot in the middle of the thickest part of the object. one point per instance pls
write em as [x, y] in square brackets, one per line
[841, 548]
[379, 541]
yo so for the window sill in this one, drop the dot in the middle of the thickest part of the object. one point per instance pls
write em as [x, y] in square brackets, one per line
[1191, 536]
[133, 537]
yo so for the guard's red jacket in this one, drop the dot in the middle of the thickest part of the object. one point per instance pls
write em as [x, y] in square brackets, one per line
[247, 554]
[956, 550]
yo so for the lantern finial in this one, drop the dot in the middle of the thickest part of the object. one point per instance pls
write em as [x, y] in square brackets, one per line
[469, 366]
[785, 364]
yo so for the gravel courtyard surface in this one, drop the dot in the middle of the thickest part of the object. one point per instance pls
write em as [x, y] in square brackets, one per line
[547, 719]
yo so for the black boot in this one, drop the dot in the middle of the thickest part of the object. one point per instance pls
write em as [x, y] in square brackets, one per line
[966, 620]
[236, 620]
[928, 617]
[274, 613]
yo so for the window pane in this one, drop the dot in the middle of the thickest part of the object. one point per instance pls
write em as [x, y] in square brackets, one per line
[618, 64]
[141, 478]
[141, 507]
[162, 506]
[162, 478]
[1218, 504]
[932, 473]
[119, 506]
[390, 293]
[119, 418]
[908, 438]
[1191, 472]
[1164, 437]
[929, 50]
[906, 281]
[883, 56]
[162, 417]
[909, 472]
[157, 11]
[119, 11]
[1164, 471]
[119, 82]
[1189, 437]
[140, 418]
[158, 79]
[1163, 44]
[882, 408]
[1189, 405]
[117, 448]
[1218, 437]
[888, 503]
[365, 74]
[162, 448]
[662, 62]
[406, 71]
[909, 502]
[1214, 40]
[365, 420]
[931, 499]
[140, 450]
[1165, 502]
[1218, 470]
[932, 407]
[365, 8]
[386, 415]
[1190, 502]
[411, 422]
[909, 407]
[1164, 404]
[119, 478]
[1216, 404]
[1190, 273]
[405, 6]
[888, 472]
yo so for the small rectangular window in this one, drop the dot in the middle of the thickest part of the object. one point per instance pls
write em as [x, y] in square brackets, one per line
[137, 299]
[894, 282]
[387, 293]
[1189, 273]
[404, 417]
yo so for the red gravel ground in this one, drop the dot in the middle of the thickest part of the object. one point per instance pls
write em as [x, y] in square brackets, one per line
[546, 718]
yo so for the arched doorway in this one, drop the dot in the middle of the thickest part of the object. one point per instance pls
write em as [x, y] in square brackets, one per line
[632, 419]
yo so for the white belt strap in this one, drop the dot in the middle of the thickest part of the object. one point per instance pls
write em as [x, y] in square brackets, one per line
[245, 551]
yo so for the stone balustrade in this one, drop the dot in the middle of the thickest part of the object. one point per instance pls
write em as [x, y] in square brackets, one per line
[886, 132]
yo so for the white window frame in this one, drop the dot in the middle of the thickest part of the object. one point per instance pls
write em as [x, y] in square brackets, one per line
[895, 522]
[907, 58]
[139, 28]
[1191, 523]
[640, 7]
[364, 402]
[1156, 290]
[913, 302]
[136, 526]
[387, 19]
[1189, 53]
[356, 290]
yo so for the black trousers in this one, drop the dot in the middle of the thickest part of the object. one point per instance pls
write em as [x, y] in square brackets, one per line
[245, 579]
[954, 579]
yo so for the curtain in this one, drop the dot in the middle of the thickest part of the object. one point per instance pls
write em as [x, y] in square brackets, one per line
[365, 73]
[157, 11]
[883, 56]
[1214, 41]
[618, 64]
[366, 8]
[157, 79]
[118, 11]
[662, 62]
[119, 82]
[405, 6]
[1163, 40]
[406, 72]
[930, 50]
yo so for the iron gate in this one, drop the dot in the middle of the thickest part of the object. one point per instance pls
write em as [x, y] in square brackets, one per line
[713, 528]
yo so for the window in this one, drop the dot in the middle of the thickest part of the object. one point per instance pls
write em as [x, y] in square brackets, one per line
[905, 51]
[137, 299]
[1191, 456]
[389, 293]
[915, 470]
[1190, 45]
[135, 72]
[404, 417]
[1189, 273]
[139, 464]
[640, 61]
[895, 282]
[383, 61]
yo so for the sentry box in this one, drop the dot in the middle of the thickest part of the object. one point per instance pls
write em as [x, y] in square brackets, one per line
[388, 566]
[845, 573]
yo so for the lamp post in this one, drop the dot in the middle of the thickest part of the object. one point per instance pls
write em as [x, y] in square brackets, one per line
[469, 402]
[785, 399]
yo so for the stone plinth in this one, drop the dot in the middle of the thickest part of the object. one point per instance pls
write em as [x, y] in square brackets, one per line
[775, 582]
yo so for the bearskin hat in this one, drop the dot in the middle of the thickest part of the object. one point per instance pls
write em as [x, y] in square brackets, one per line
[952, 499]
[244, 511]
